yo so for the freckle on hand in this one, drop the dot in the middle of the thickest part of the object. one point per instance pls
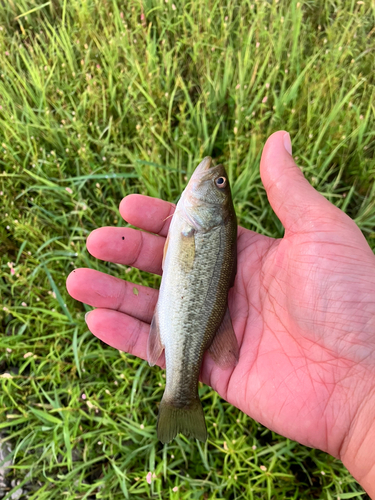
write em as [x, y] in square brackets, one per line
[123, 237]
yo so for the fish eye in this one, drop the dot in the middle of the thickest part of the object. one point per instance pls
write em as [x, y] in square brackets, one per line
[221, 182]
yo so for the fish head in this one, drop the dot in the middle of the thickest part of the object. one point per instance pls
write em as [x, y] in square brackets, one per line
[207, 201]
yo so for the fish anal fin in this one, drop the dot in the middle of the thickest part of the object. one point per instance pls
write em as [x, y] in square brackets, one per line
[173, 419]
[154, 345]
[224, 346]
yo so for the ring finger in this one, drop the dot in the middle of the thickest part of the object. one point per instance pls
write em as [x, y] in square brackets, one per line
[101, 290]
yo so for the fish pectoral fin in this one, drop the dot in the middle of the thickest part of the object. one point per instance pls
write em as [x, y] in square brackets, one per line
[187, 249]
[224, 347]
[154, 345]
[165, 251]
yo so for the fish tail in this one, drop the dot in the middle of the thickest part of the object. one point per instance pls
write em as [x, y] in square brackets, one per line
[189, 420]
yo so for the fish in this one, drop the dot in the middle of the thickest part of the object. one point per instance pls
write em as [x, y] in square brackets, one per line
[192, 315]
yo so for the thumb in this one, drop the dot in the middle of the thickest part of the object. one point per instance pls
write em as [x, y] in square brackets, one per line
[296, 203]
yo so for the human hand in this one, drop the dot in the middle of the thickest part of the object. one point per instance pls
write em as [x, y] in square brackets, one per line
[303, 310]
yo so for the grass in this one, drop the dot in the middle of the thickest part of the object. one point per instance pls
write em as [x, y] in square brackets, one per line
[99, 99]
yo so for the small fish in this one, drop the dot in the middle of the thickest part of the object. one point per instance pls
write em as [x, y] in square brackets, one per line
[192, 315]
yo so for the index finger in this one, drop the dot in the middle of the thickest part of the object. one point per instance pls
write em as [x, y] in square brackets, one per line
[150, 214]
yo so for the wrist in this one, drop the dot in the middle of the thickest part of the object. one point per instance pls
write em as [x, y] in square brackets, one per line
[358, 449]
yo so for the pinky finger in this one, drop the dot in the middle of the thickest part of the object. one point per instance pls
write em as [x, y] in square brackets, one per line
[121, 331]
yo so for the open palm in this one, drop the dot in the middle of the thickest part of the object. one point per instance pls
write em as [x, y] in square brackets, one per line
[302, 306]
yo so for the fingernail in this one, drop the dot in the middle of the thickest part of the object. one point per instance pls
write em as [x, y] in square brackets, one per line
[287, 143]
[87, 315]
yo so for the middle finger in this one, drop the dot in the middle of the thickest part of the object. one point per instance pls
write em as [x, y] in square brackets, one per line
[127, 246]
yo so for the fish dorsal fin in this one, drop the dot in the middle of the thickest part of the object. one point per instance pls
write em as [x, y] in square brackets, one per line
[224, 347]
[234, 258]
[234, 269]
[154, 345]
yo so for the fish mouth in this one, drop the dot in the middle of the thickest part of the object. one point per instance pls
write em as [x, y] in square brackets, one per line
[199, 173]
[204, 165]
[203, 171]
